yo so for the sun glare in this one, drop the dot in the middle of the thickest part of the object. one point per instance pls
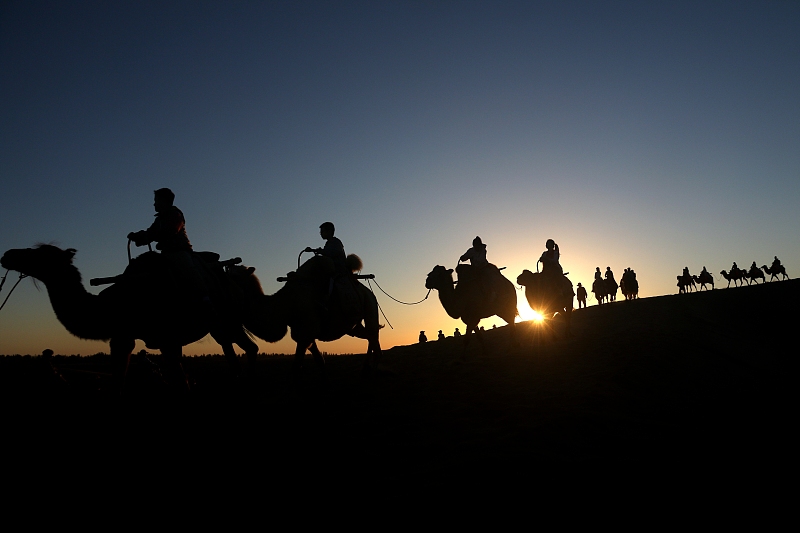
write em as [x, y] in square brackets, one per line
[529, 314]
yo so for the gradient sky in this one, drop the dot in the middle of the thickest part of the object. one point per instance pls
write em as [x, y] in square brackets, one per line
[636, 134]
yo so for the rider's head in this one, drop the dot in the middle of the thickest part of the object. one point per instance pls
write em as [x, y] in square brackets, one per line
[326, 230]
[550, 244]
[163, 199]
[477, 242]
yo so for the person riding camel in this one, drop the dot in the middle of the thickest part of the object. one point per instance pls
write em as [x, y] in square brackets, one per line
[776, 264]
[598, 276]
[341, 279]
[476, 255]
[549, 259]
[334, 249]
[482, 270]
[168, 231]
[610, 274]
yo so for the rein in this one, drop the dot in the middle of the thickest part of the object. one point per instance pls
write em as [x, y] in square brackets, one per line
[3, 282]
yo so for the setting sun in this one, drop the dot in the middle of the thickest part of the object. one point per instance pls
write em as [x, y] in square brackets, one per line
[529, 314]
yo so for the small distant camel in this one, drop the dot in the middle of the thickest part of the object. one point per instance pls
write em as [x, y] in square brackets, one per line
[755, 274]
[470, 302]
[546, 300]
[735, 276]
[703, 279]
[611, 289]
[774, 272]
[686, 284]
[599, 290]
[629, 286]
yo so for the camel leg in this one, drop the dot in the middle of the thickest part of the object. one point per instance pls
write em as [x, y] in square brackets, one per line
[318, 357]
[250, 348]
[299, 356]
[176, 377]
[121, 350]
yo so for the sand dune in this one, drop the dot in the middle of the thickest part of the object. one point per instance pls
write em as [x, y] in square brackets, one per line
[692, 383]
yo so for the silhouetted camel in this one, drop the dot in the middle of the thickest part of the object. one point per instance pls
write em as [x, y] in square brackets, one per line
[146, 307]
[734, 276]
[755, 274]
[599, 290]
[703, 279]
[470, 302]
[628, 285]
[304, 306]
[547, 300]
[774, 272]
[685, 283]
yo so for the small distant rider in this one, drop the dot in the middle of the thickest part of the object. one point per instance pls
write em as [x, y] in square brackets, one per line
[581, 294]
[441, 336]
[422, 337]
[610, 274]
[734, 268]
[598, 276]
[776, 264]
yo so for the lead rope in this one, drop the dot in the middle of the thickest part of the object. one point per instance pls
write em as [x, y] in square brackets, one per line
[3, 282]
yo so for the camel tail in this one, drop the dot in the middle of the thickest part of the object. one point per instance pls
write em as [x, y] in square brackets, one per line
[354, 263]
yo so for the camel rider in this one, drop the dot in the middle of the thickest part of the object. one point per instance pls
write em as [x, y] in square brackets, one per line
[734, 268]
[776, 264]
[168, 231]
[334, 249]
[610, 274]
[482, 270]
[753, 267]
[704, 272]
[476, 255]
[598, 276]
[549, 259]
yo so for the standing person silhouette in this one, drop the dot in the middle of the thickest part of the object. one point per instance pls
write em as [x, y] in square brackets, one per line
[581, 294]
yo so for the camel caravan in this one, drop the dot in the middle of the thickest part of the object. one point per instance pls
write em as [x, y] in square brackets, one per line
[178, 296]
[604, 287]
[739, 276]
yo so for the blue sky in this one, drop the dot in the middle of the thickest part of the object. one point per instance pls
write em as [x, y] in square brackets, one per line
[651, 136]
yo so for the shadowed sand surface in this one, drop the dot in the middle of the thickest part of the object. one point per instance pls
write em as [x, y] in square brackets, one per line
[696, 384]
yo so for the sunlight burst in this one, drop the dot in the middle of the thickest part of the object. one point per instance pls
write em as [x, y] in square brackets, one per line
[529, 314]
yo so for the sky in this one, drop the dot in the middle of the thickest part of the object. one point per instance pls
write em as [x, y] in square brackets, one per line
[650, 135]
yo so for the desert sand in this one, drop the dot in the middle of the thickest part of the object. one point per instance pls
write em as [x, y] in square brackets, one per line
[698, 384]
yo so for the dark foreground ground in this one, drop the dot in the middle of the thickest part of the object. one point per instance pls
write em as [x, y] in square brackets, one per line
[696, 386]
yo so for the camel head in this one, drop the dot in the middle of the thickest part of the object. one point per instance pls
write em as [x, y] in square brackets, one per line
[439, 278]
[526, 278]
[40, 262]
